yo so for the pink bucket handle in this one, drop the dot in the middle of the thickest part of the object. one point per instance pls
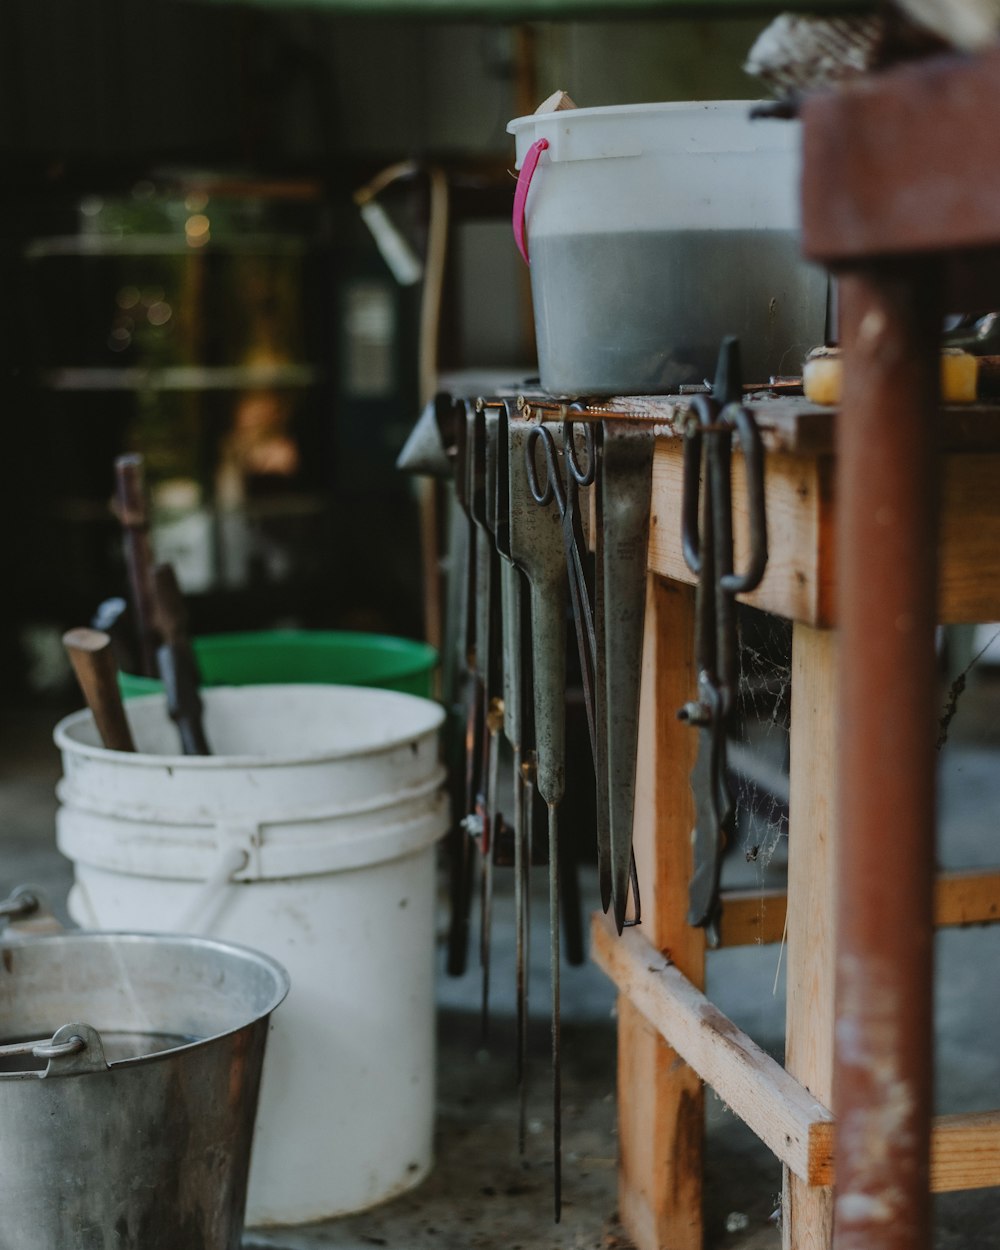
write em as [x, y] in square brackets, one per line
[524, 178]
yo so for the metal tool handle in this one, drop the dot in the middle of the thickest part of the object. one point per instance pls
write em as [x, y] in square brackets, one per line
[703, 413]
[584, 474]
[543, 493]
[752, 447]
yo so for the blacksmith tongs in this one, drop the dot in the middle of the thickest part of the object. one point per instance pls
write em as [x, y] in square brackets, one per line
[707, 538]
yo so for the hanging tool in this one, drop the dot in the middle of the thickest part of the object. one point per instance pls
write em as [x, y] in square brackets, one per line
[465, 769]
[624, 497]
[488, 662]
[618, 457]
[93, 663]
[707, 539]
[176, 662]
[132, 510]
[518, 728]
[536, 546]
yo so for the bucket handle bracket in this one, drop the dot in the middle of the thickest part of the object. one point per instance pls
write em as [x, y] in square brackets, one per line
[26, 912]
[73, 1050]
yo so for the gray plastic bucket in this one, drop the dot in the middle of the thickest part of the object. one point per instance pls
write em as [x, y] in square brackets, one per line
[138, 1139]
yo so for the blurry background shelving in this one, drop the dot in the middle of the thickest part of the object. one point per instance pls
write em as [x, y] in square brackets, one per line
[185, 274]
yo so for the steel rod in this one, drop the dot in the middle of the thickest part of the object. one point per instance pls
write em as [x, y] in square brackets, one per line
[554, 985]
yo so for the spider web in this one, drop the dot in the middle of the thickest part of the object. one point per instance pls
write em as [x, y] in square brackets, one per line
[759, 743]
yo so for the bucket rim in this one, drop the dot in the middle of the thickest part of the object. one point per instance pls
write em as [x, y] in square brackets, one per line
[420, 654]
[426, 788]
[64, 740]
[109, 937]
[563, 116]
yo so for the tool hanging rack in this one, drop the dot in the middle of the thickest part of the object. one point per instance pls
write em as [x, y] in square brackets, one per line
[555, 507]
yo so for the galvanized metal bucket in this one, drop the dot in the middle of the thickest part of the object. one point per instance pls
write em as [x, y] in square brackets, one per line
[128, 1089]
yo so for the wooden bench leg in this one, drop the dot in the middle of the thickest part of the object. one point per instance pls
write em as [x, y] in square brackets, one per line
[661, 1120]
[807, 1212]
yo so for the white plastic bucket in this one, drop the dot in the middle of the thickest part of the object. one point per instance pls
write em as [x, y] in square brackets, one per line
[309, 834]
[653, 231]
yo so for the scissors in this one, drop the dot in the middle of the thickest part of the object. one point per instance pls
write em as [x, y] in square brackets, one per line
[567, 500]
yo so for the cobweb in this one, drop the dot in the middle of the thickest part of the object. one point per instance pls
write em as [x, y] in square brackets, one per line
[759, 744]
[759, 741]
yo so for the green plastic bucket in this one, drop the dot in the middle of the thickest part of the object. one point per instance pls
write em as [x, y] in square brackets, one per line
[312, 656]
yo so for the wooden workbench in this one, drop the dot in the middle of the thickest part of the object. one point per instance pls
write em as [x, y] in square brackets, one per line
[671, 1037]
[895, 533]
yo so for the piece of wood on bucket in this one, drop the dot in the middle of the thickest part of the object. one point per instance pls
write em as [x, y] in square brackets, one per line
[556, 103]
[93, 663]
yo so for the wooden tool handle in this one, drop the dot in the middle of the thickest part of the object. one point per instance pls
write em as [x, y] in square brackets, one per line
[132, 510]
[93, 662]
[130, 491]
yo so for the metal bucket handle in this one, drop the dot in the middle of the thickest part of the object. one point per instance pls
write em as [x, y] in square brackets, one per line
[27, 911]
[72, 1048]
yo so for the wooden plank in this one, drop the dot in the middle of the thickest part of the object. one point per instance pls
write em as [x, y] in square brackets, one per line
[967, 896]
[807, 1212]
[787, 424]
[799, 581]
[970, 539]
[661, 1099]
[965, 1151]
[961, 897]
[756, 1087]
[752, 917]
[900, 187]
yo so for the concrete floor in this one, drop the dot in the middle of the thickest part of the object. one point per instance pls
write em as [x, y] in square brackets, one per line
[481, 1193]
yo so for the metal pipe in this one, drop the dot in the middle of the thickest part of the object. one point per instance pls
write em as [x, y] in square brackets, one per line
[886, 557]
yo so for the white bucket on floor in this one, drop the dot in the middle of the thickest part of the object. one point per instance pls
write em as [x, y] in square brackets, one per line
[309, 834]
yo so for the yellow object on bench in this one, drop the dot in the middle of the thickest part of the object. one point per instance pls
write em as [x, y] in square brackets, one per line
[822, 376]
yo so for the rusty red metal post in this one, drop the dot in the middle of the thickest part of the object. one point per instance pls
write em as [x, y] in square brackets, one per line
[886, 553]
[901, 173]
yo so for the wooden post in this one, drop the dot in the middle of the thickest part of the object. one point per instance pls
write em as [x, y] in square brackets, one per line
[807, 1212]
[660, 1099]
